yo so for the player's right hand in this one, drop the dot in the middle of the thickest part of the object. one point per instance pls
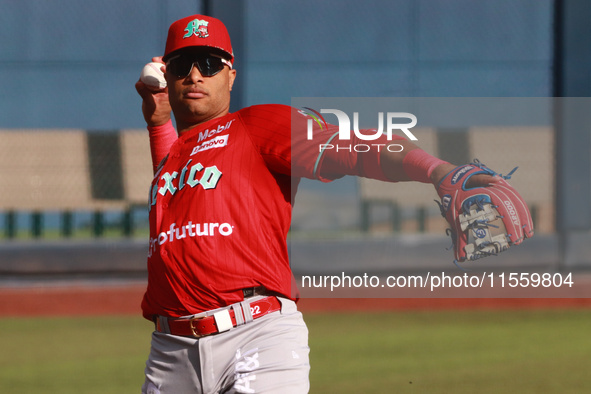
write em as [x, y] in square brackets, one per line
[155, 105]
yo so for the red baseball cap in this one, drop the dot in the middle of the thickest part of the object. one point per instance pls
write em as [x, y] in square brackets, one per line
[198, 31]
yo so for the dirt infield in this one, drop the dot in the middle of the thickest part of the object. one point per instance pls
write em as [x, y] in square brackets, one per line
[125, 299]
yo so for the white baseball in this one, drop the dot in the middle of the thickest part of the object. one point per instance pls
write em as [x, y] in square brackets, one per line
[152, 76]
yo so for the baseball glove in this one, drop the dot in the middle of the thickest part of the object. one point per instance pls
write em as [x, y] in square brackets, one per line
[484, 220]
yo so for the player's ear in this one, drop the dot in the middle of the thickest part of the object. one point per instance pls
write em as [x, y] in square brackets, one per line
[231, 78]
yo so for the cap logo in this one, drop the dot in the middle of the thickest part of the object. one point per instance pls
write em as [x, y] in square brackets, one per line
[197, 27]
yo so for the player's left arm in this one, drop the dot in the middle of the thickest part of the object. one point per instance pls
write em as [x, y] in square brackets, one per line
[486, 215]
[399, 160]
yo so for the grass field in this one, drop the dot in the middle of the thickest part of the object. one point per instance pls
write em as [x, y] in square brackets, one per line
[493, 351]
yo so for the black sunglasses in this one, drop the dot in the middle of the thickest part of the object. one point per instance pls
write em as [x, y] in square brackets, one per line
[207, 64]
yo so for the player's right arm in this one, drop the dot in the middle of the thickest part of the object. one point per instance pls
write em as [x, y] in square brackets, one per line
[156, 110]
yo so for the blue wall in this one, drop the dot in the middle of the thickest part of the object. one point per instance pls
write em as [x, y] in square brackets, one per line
[73, 64]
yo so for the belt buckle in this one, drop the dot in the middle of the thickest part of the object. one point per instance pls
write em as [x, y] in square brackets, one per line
[193, 328]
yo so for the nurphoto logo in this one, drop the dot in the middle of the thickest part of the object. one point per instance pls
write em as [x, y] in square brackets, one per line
[344, 124]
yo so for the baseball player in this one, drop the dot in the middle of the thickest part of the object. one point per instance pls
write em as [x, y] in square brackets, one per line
[220, 290]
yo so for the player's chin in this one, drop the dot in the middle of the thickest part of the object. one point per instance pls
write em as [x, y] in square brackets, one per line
[195, 106]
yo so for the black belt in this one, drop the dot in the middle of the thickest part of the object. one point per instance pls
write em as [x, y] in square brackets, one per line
[254, 291]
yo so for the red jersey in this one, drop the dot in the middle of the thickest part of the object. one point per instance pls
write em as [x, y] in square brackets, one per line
[220, 208]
